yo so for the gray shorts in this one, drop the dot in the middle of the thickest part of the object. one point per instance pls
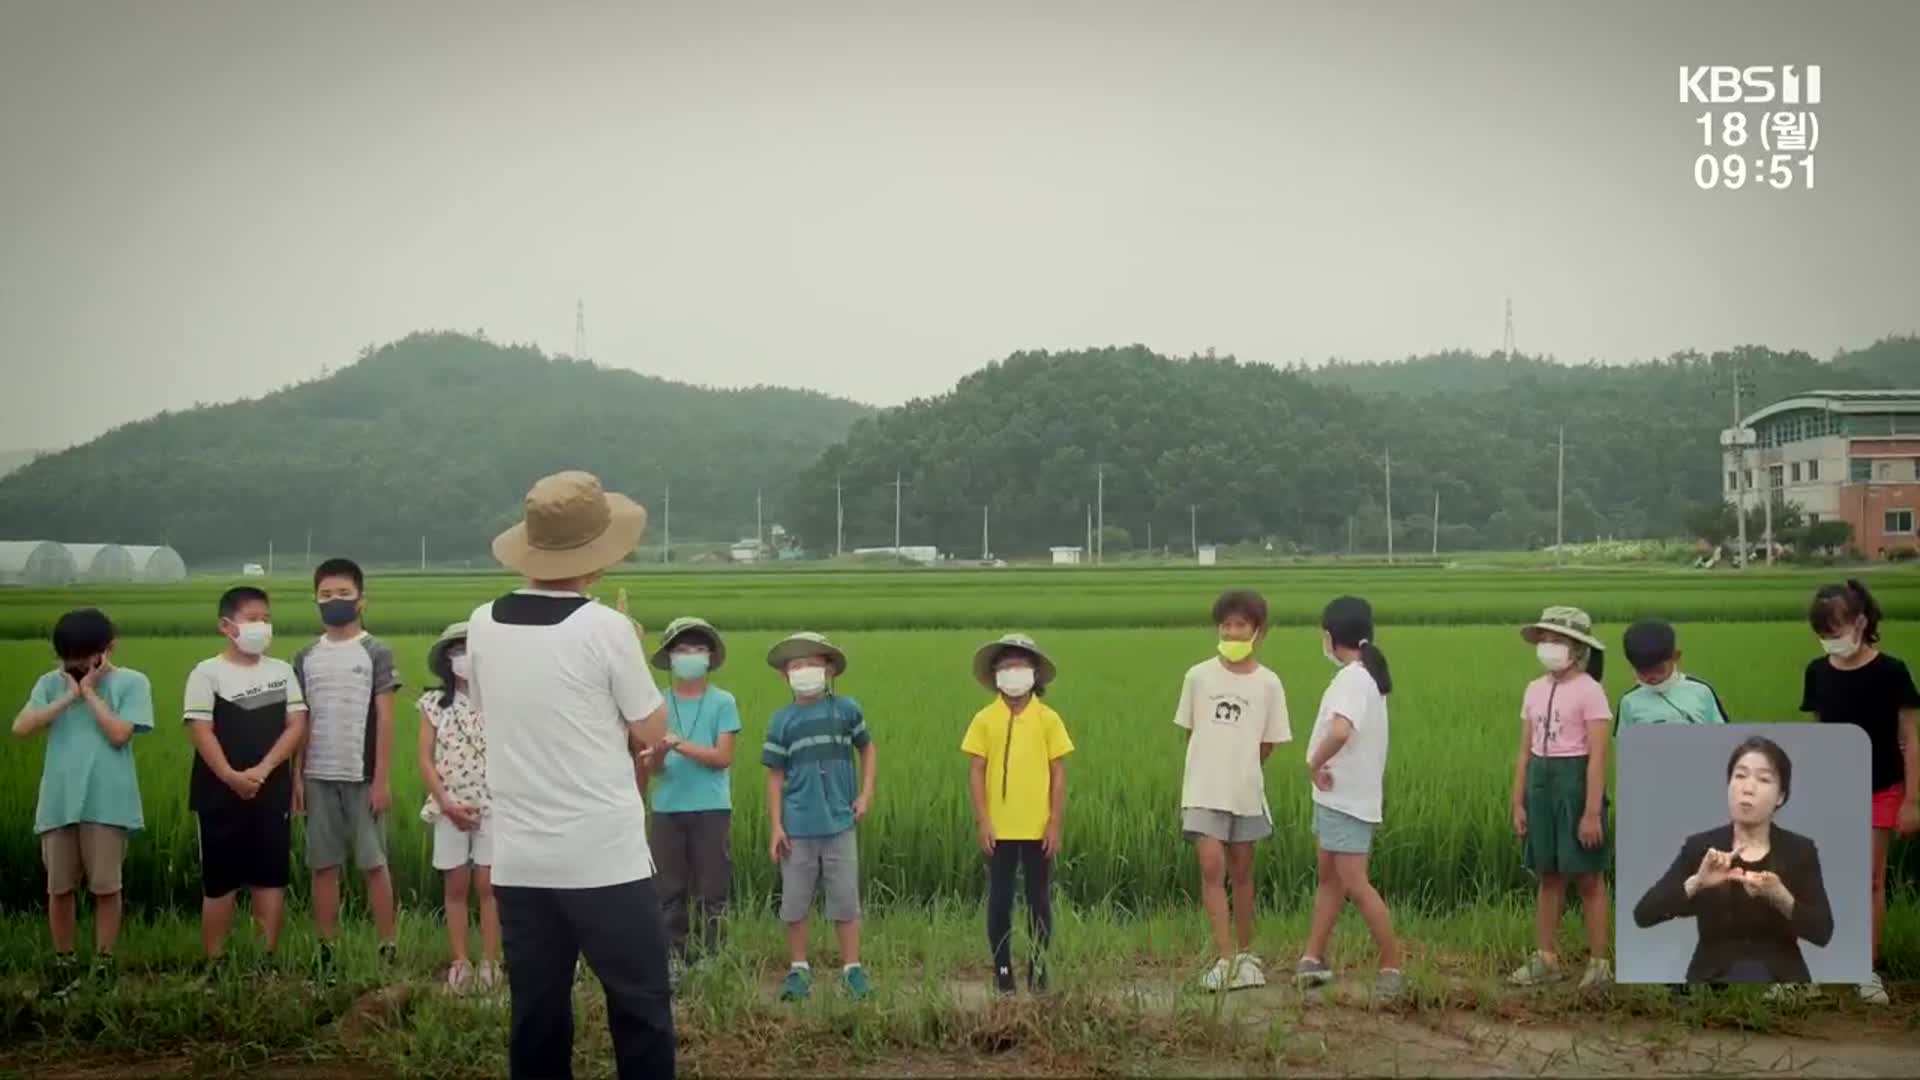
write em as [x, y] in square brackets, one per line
[828, 863]
[340, 817]
[1341, 833]
[1223, 826]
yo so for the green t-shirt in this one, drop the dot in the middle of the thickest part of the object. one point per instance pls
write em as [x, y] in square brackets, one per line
[86, 778]
[1687, 701]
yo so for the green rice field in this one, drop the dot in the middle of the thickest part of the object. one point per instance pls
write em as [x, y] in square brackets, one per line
[1122, 640]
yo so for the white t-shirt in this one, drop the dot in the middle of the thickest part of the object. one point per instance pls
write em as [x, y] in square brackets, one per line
[1230, 715]
[1359, 766]
[559, 677]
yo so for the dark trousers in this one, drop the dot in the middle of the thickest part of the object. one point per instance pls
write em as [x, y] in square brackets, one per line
[544, 931]
[1025, 855]
[692, 861]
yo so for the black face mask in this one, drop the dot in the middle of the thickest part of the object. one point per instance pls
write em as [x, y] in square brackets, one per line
[339, 612]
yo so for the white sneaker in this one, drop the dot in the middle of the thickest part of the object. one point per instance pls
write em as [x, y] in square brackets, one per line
[1247, 973]
[458, 975]
[1214, 979]
[1599, 973]
[1874, 991]
[488, 977]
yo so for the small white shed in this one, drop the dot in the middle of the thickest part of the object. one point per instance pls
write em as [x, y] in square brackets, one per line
[1066, 556]
[1209, 555]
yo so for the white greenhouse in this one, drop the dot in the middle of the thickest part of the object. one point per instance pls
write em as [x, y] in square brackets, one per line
[101, 562]
[35, 562]
[156, 563]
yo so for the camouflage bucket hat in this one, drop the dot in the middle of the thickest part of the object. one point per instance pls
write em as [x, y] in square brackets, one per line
[984, 659]
[1569, 622]
[803, 644]
[681, 627]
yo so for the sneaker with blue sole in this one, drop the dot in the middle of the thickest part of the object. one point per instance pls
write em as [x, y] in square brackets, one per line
[859, 987]
[798, 986]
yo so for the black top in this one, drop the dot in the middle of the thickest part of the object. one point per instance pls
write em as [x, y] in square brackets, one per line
[1869, 698]
[1735, 926]
[246, 732]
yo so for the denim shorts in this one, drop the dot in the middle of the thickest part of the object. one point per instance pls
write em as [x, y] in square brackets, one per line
[1341, 833]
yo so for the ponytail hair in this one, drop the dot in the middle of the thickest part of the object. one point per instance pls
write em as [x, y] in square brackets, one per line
[1591, 660]
[1836, 606]
[1348, 621]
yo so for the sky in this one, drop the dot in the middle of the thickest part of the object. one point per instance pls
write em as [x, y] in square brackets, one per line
[201, 202]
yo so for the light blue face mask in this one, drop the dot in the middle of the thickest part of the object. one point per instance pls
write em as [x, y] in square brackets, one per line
[689, 666]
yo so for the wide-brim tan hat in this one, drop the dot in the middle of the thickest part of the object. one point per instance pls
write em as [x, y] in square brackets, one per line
[572, 528]
[451, 636]
[804, 644]
[1569, 622]
[681, 627]
[989, 654]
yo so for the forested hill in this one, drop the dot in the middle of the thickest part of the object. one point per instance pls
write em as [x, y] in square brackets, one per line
[1256, 453]
[437, 435]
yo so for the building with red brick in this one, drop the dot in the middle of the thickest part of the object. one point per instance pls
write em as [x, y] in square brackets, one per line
[1850, 455]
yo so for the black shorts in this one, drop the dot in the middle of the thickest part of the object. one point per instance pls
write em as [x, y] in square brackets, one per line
[248, 849]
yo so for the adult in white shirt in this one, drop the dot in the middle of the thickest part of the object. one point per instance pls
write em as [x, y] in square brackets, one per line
[569, 701]
[1347, 762]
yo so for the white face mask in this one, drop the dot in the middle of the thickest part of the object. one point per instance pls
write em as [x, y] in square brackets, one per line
[462, 667]
[1666, 684]
[253, 638]
[1014, 681]
[1554, 655]
[1841, 647]
[807, 681]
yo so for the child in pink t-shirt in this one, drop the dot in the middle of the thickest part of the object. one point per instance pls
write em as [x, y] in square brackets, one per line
[1560, 789]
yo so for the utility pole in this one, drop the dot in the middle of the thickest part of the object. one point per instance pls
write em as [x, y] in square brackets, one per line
[1349, 534]
[1436, 524]
[1089, 534]
[986, 546]
[666, 540]
[1739, 473]
[1149, 538]
[1100, 501]
[1560, 501]
[759, 529]
[896, 515]
[309, 549]
[839, 520]
[1193, 526]
[1766, 534]
[423, 551]
[1389, 461]
[269, 557]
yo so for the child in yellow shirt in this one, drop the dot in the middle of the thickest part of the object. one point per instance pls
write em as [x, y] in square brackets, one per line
[1017, 748]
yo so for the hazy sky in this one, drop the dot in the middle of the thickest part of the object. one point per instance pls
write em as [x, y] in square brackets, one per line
[200, 202]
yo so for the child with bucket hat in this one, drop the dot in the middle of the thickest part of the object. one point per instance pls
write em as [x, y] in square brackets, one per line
[453, 763]
[1560, 786]
[690, 774]
[813, 804]
[1017, 747]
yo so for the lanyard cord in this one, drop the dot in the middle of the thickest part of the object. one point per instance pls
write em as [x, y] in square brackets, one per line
[673, 713]
[1006, 755]
[1546, 735]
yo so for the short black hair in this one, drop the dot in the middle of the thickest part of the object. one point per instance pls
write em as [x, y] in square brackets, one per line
[231, 600]
[345, 568]
[1245, 603]
[82, 633]
[694, 635]
[1648, 644]
[1776, 757]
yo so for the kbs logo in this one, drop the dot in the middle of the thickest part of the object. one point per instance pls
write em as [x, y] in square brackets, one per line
[1724, 84]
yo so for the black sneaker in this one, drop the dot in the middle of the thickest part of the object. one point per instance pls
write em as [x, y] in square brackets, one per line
[389, 954]
[1003, 981]
[326, 973]
[63, 976]
[104, 972]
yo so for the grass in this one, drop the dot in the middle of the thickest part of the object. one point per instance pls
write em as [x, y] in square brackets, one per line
[1445, 859]
[1121, 1001]
[1045, 598]
[1446, 841]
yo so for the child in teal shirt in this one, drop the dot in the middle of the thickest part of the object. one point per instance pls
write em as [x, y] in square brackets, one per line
[89, 794]
[1661, 694]
[690, 824]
